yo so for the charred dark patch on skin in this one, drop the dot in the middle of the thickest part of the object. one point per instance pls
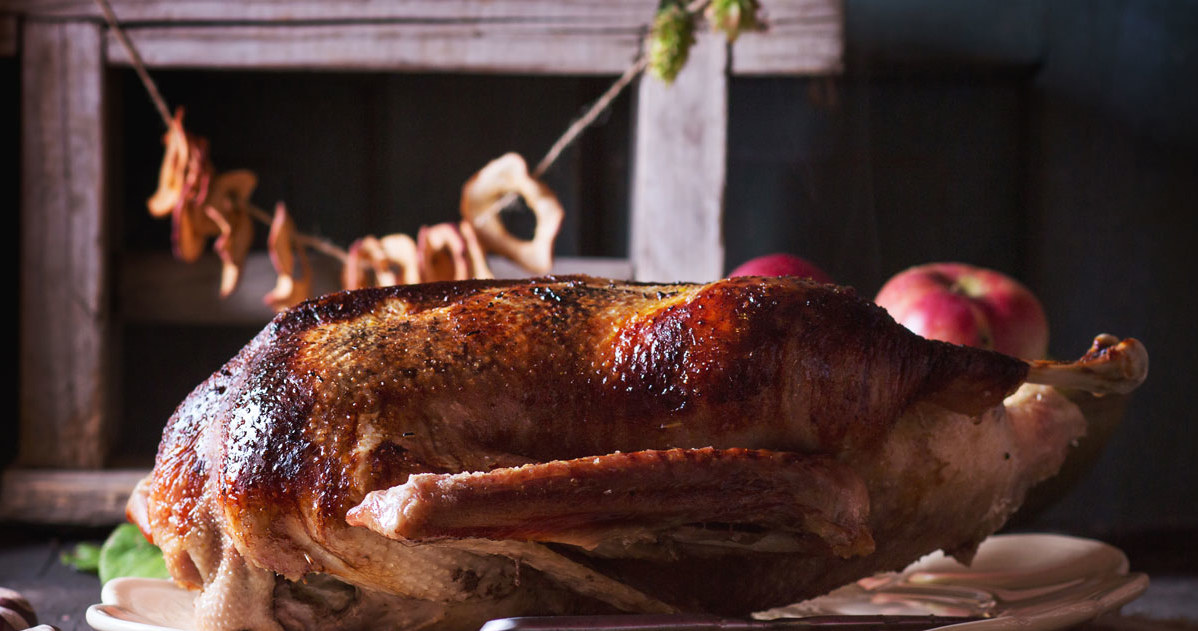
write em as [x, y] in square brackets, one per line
[268, 456]
[687, 349]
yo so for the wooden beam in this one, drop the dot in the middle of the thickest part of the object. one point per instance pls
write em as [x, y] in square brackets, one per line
[511, 48]
[64, 306]
[606, 14]
[77, 498]
[805, 37]
[679, 169]
[514, 36]
[157, 288]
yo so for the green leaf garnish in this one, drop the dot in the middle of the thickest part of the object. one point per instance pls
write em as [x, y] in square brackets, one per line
[84, 558]
[127, 553]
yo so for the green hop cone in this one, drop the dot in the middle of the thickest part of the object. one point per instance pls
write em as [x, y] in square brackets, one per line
[733, 17]
[670, 41]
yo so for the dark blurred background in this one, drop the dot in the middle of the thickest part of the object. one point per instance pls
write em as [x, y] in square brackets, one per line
[1055, 141]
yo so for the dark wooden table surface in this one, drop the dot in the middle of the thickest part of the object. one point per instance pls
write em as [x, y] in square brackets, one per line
[29, 563]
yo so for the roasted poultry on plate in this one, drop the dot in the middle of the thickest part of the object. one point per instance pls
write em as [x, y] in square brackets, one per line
[433, 456]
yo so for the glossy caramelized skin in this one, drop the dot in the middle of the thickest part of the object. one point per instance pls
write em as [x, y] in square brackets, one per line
[356, 392]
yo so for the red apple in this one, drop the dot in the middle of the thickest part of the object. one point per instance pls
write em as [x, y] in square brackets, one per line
[968, 305]
[781, 264]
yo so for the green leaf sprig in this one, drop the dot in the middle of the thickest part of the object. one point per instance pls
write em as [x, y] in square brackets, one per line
[84, 558]
[125, 553]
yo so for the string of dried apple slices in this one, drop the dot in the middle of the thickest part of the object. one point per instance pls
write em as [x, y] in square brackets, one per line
[204, 205]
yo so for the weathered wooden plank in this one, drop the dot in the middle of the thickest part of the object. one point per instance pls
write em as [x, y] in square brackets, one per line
[805, 48]
[679, 170]
[805, 36]
[494, 48]
[513, 36]
[156, 288]
[608, 13]
[64, 311]
[78, 498]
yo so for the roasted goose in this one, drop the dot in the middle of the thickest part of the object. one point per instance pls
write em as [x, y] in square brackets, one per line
[432, 456]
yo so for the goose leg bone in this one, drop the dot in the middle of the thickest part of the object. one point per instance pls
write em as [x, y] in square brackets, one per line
[1110, 366]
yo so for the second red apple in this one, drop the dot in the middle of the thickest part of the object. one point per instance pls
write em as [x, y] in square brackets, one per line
[781, 264]
[968, 305]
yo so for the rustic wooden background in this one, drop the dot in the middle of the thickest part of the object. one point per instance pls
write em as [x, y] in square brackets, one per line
[1057, 141]
[389, 155]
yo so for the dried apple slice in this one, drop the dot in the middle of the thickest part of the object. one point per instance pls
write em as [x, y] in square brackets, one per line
[381, 257]
[509, 174]
[354, 273]
[234, 187]
[442, 252]
[227, 207]
[173, 172]
[190, 226]
[190, 231]
[280, 243]
[233, 245]
[475, 256]
[400, 250]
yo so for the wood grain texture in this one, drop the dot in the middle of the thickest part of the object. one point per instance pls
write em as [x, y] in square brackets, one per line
[679, 170]
[805, 36]
[611, 14]
[156, 288]
[450, 47]
[82, 498]
[615, 12]
[64, 310]
[792, 48]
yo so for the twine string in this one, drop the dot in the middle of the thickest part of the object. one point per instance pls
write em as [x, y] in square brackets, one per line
[555, 151]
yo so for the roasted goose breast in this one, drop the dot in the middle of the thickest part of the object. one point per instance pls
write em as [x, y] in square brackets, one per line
[431, 456]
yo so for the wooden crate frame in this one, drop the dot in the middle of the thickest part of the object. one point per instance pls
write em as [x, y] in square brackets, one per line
[679, 166]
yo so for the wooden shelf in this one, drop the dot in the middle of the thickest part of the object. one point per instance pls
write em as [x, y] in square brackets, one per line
[156, 287]
[78, 498]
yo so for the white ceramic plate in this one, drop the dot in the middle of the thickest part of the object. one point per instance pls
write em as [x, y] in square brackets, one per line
[1021, 582]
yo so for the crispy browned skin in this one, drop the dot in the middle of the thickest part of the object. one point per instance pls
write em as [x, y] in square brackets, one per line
[354, 392]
